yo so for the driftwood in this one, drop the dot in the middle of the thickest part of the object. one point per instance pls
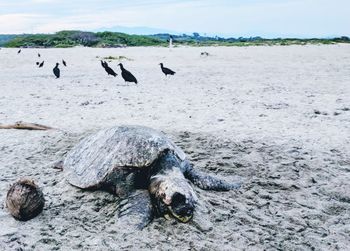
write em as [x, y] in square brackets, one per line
[25, 126]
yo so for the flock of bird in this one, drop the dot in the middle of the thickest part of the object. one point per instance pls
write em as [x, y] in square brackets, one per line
[126, 75]
[56, 71]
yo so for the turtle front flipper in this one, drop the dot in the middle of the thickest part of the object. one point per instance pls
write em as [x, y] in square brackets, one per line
[136, 211]
[206, 181]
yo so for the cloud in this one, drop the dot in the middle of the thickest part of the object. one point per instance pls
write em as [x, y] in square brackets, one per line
[231, 17]
[43, 1]
[19, 22]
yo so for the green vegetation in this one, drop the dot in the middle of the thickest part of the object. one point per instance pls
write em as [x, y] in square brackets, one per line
[119, 58]
[112, 39]
[6, 38]
[65, 39]
[197, 40]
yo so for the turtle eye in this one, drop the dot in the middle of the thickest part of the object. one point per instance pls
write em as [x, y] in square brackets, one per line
[178, 199]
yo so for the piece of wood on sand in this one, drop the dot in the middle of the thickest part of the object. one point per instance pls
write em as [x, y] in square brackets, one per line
[25, 126]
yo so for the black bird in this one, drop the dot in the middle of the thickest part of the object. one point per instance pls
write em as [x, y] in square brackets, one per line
[104, 64]
[108, 69]
[64, 62]
[37, 63]
[39, 55]
[18, 52]
[166, 71]
[41, 64]
[56, 71]
[127, 76]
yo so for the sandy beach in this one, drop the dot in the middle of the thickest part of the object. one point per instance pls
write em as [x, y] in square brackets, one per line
[276, 118]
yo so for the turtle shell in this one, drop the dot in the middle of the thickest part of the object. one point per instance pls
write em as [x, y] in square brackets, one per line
[99, 156]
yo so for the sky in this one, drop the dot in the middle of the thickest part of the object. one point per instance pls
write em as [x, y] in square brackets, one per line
[229, 18]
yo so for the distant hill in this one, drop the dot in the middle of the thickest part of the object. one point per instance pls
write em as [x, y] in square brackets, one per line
[139, 30]
[7, 38]
[63, 39]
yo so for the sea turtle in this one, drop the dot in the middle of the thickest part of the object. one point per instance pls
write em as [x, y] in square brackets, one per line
[143, 166]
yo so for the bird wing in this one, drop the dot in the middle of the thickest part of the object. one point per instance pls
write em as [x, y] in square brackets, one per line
[129, 74]
[168, 71]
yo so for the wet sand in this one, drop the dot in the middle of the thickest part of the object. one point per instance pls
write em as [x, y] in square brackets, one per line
[276, 118]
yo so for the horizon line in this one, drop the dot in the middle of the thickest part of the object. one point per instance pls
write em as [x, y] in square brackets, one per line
[202, 34]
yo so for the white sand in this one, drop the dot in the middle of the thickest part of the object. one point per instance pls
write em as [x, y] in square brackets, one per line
[246, 113]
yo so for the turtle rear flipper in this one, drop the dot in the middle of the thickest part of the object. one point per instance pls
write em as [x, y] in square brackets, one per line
[136, 212]
[206, 181]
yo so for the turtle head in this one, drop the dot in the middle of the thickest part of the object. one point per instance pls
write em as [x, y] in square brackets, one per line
[181, 207]
[172, 195]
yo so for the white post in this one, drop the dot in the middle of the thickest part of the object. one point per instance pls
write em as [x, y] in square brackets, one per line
[170, 42]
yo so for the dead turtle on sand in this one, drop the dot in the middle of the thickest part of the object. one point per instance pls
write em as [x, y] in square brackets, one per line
[143, 166]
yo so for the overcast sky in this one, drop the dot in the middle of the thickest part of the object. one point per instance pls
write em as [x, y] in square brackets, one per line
[267, 18]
